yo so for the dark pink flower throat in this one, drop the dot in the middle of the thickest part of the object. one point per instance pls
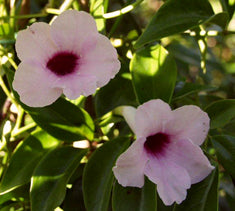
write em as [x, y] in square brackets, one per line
[63, 63]
[156, 144]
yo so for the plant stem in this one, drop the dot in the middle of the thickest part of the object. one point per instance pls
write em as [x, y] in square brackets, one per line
[6, 91]
[120, 12]
[24, 129]
[19, 119]
[37, 15]
[12, 62]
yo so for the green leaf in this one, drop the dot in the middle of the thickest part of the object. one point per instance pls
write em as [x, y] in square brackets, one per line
[98, 8]
[175, 17]
[64, 121]
[25, 158]
[98, 176]
[113, 95]
[184, 89]
[220, 19]
[15, 195]
[221, 112]
[225, 151]
[51, 176]
[202, 196]
[74, 198]
[228, 6]
[138, 199]
[154, 74]
[5, 30]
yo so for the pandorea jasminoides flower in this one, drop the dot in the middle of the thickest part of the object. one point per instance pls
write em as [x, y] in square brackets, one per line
[69, 56]
[166, 150]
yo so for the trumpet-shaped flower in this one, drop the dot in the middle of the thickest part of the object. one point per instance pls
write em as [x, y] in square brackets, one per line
[69, 56]
[166, 149]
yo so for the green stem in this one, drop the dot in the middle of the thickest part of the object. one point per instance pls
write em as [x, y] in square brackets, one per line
[120, 12]
[19, 119]
[66, 4]
[12, 62]
[6, 91]
[38, 15]
[53, 11]
[12, 14]
[24, 129]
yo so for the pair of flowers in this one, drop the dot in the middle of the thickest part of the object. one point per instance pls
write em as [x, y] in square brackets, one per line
[72, 58]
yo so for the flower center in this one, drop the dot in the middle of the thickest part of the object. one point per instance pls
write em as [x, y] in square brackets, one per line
[63, 63]
[156, 144]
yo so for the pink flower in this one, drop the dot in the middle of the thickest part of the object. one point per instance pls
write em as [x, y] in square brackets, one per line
[69, 56]
[166, 149]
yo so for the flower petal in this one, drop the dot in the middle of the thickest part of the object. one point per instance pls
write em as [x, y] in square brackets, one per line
[129, 113]
[75, 85]
[33, 85]
[151, 117]
[71, 28]
[172, 180]
[101, 60]
[129, 169]
[189, 122]
[35, 43]
[190, 157]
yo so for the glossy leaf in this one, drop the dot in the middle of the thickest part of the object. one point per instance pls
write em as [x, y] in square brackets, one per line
[98, 176]
[64, 121]
[221, 112]
[25, 158]
[220, 19]
[184, 89]
[118, 91]
[154, 74]
[175, 17]
[15, 195]
[98, 8]
[202, 196]
[228, 6]
[48, 185]
[225, 151]
[138, 199]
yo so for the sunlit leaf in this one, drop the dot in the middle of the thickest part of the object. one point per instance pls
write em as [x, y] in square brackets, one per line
[48, 186]
[25, 158]
[154, 74]
[97, 9]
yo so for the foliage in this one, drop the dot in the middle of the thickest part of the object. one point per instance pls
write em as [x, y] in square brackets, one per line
[181, 51]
